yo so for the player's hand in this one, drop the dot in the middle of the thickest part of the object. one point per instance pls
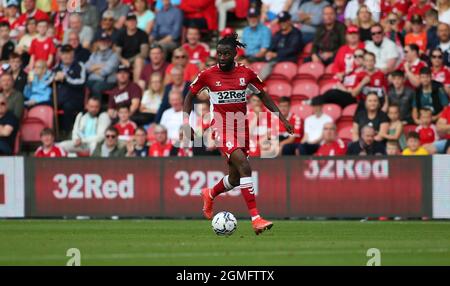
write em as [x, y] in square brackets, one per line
[186, 132]
[289, 127]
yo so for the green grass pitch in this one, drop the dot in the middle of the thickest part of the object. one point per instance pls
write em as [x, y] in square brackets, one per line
[192, 242]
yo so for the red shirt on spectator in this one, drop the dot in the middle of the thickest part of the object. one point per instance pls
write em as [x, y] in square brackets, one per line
[378, 84]
[427, 134]
[415, 9]
[198, 54]
[446, 115]
[124, 96]
[126, 130]
[344, 60]
[160, 150]
[353, 79]
[442, 75]
[400, 6]
[297, 123]
[42, 49]
[37, 15]
[54, 152]
[415, 68]
[335, 148]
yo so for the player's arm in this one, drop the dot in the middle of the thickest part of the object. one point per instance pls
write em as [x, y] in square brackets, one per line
[268, 102]
[188, 132]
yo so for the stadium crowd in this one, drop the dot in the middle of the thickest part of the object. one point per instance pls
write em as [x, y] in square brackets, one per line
[107, 78]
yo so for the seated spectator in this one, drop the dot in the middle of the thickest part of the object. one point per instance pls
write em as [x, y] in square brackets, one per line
[414, 148]
[109, 148]
[271, 8]
[385, 50]
[314, 128]
[366, 144]
[6, 45]
[60, 20]
[24, 44]
[138, 147]
[9, 125]
[102, 66]
[145, 16]
[430, 94]
[440, 72]
[330, 36]
[371, 116]
[48, 148]
[167, 28]
[339, 6]
[417, 35]
[431, 24]
[151, 100]
[256, 36]
[345, 56]
[30, 11]
[412, 65]
[81, 54]
[84, 32]
[38, 89]
[14, 98]
[162, 147]
[70, 78]
[125, 126]
[289, 143]
[89, 128]
[392, 148]
[11, 16]
[200, 13]
[285, 45]
[157, 64]
[443, 6]
[198, 52]
[107, 27]
[224, 6]
[125, 93]
[42, 47]
[310, 16]
[172, 118]
[119, 11]
[393, 30]
[427, 130]
[443, 33]
[331, 145]
[395, 129]
[180, 58]
[352, 8]
[89, 14]
[402, 96]
[364, 22]
[419, 7]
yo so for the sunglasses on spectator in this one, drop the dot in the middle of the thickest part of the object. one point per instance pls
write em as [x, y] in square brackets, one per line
[377, 33]
[436, 56]
[112, 136]
[359, 55]
[180, 57]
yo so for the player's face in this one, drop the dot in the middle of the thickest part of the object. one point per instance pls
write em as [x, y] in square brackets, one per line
[225, 57]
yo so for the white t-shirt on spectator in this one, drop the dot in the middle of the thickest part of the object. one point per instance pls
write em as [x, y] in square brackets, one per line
[351, 10]
[384, 53]
[314, 126]
[445, 17]
[172, 120]
[275, 6]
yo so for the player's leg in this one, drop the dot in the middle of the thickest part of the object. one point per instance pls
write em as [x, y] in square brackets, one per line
[239, 160]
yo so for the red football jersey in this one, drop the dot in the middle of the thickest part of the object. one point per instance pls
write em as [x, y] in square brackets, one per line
[442, 75]
[378, 84]
[353, 79]
[415, 68]
[54, 152]
[126, 130]
[335, 148]
[37, 15]
[42, 49]
[427, 134]
[198, 54]
[399, 7]
[159, 150]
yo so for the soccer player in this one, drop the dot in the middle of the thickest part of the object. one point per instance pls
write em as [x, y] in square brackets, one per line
[228, 84]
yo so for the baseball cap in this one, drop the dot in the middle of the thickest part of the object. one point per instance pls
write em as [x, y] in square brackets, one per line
[10, 3]
[66, 48]
[108, 14]
[123, 68]
[131, 16]
[227, 31]
[284, 16]
[104, 37]
[253, 12]
[352, 29]
[416, 19]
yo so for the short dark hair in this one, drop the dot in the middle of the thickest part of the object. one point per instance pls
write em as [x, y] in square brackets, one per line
[425, 70]
[394, 105]
[4, 24]
[425, 109]
[95, 98]
[140, 128]
[432, 13]
[123, 106]
[285, 99]
[112, 129]
[47, 131]
[413, 135]
[370, 54]
[398, 73]
[377, 25]
[15, 55]
[414, 47]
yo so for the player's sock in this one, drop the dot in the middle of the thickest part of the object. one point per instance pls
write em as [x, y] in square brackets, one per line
[249, 195]
[221, 187]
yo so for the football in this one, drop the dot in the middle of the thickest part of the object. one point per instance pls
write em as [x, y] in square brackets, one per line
[224, 223]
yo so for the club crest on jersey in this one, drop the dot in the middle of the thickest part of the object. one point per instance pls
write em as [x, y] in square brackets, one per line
[218, 83]
[242, 81]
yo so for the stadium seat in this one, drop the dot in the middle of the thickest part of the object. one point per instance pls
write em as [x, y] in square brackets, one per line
[333, 110]
[408, 128]
[307, 50]
[349, 111]
[345, 133]
[314, 69]
[257, 66]
[326, 78]
[329, 69]
[42, 112]
[31, 129]
[17, 143]
[285, 69]
[302, 110]
[279, 88]
[324, 87]
[341, 124]
[306, 88]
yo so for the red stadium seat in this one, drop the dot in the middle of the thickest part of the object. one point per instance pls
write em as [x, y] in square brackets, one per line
[350, 110]
[333, 110]
[17, 143]
[326, 79]
[307, 50]
[341, 124]
[408, 128]
[326, 87]
[314, 69]
[307, 88]
[345, 133]
[257, 66]
[329, 68]
[31, 129]
[278, 88]
[302, 110]
[42, 112]
[286, 69]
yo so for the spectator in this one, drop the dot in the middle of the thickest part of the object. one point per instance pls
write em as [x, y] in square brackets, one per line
[157, 64]
[330, 36]
[180, 58]
[25, 41]
[443, 33]
[310, 16]
[120, 12]
[172, 118]
[339, 6]
[414, 148]
[38, 89]
[6, 45]
[125, 93]
[42, 47]
[109, 148]
[419, 7]
[125, 126]
[198, 52]
[331, 145]
[48, 148]
[429, 94]
[167, 29]
[138, 147]
[418, 34]
[395, 129]
[60, 20]
[364, 22]
[11, 16]
[440, 72]
[427, 130]
[81, 54]
[392, 148]
[132, 43]
[162, 147]
[151, 100]
[271, 8]
[84, 32]
[394, 32]
[179, 85]
[314, 128]
[412, 65]
[70, 81]
[31, 12]
[385, 50]
[366, 144]
[402, 96]
[200, 13]
[371, 116]
[9, 125]
[285, 45]
[352, 9]
[256, 36]
[344, 60]
[145, 17]
[89, 128]
[102, 66]
[13, 97]
[89, 14]
[107, 27]
[431, 22]
[289, 143]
